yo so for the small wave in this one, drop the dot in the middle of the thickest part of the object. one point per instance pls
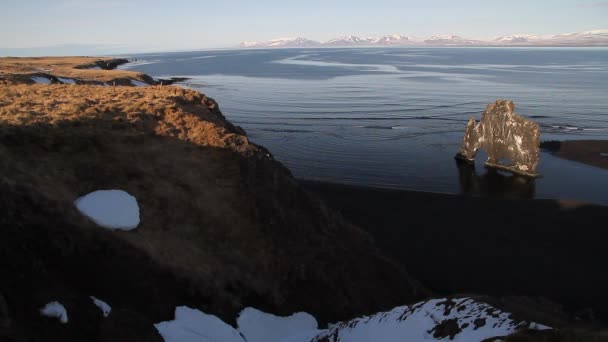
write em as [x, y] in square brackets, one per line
[135, 64]
[596, 129]
[568, 128]
[368, 118]
[283, 130]
[375, 127]
[383, 127]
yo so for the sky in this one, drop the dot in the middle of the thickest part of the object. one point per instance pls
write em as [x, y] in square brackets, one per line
[112, 26]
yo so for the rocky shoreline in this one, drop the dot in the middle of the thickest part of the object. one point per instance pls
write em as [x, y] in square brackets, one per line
[74, 70]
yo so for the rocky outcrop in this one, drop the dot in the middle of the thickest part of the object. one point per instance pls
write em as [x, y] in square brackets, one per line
[223, 225]
[71, 70]
[105, 64]
[504, 135]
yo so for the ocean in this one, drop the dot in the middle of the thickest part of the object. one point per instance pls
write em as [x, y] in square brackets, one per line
[395, 117]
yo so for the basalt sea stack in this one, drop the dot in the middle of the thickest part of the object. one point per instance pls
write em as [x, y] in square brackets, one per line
[504, 135]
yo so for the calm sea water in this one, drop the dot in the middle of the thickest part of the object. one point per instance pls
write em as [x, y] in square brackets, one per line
[395, 117]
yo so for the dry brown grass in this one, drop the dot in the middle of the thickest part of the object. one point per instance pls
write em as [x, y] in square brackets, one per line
[165, 111]
[64, 67]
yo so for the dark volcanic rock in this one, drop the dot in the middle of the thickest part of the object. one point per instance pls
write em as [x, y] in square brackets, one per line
[164, 81]
[5, 318]
[105, 64]
[126, 326]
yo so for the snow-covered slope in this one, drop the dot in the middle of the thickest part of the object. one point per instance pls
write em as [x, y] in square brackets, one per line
[462, 319]
[394, 39]
[595, 37]
[347, 41]
[587, 38]
[516, 38]
[459, 319]
[450, 39]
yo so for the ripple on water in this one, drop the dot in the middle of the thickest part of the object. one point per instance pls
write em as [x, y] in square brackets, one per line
[395, 117]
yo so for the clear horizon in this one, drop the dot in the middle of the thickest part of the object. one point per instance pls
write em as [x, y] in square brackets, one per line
[123, 26]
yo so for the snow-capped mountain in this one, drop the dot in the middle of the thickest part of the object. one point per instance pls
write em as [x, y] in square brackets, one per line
[281, 42]
[517, 38]
[595, 37]
[394, 39]
[347, 41]
[587, 38]
[450, 40]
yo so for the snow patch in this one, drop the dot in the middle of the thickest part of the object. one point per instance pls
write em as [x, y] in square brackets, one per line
[113, 209]
[459, 320]
[257, 326]
[538, 326]
[66, 80]
[139, 83]
[55, 310]
[103, 306]
[41, 80]
[191, 325]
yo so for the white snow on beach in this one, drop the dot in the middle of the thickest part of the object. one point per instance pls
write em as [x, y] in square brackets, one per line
[431, 320]
[66, 80]
[458, 319]
[55, 309]
[191, 325]
[139, 83]
[112, 209]
[258, 326]
[103, 306]
[41, 80]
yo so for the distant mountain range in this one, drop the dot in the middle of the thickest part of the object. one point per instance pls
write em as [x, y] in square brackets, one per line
[587, 38]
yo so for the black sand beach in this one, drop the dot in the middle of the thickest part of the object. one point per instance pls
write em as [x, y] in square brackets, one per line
[464, 244]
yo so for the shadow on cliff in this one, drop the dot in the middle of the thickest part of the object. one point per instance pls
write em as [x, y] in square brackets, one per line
[219, 231]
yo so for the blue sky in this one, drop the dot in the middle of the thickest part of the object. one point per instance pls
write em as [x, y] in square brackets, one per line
[89, 26]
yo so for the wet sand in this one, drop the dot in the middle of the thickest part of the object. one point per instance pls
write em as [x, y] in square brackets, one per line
[590, 152]
[464, 244]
